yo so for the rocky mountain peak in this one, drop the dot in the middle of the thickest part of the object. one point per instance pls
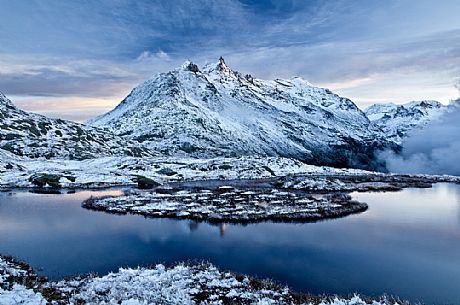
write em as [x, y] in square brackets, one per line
[219, 69]
[190, 66]
[216, 111]
[222, 65]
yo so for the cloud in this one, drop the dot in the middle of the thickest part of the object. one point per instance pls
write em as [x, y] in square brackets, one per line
[350, 60]
[432, 150]
[45, 76]
[46, 82]
[76, 89]
[424, 67]
[367, 50]
[147, 56]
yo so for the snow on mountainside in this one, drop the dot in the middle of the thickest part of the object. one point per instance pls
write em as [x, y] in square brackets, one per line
[33, 135]
[397, 120]
[215, 111]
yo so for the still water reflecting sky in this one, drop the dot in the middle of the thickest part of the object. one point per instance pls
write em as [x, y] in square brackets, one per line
[407, 243]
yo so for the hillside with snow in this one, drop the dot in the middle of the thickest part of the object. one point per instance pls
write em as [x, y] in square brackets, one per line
[215, 111]
[396, 121]
[35, 136]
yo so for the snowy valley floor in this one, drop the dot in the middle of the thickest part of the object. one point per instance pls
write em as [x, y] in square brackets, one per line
[245, 189]
[179, 284]
[16, 172]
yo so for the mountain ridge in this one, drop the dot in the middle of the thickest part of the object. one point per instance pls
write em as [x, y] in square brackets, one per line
[398, 120]
[36, 136]
[215, 111]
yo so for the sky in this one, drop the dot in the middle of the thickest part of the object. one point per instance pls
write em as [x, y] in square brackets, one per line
[77, 59]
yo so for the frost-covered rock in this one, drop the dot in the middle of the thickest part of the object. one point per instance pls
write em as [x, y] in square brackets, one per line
[397, 120]
[215, 111]
[35, 136]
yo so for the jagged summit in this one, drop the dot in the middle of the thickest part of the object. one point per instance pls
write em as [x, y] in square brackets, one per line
[222, 66]
[219, 68]
[190, 66]
[215, 111]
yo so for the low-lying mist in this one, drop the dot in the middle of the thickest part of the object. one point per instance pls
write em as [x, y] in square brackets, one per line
[434, 149]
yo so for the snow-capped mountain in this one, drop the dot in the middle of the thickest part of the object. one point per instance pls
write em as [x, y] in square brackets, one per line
[215, 111]
[397, 120]
[33, 135]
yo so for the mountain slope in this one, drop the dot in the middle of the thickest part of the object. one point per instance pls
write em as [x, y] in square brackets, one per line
[215, 111]
[397, 120]
[33, 135]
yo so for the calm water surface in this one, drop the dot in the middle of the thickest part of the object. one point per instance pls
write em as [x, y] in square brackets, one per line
[407, 243]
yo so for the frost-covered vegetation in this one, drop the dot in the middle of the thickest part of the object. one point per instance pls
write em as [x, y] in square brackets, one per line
[181, 284]
[19, 284]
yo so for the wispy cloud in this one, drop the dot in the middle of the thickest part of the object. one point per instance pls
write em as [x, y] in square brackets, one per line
[367, 50]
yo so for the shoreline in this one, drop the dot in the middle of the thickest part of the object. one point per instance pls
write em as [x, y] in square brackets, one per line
[123, 171]
[179, 283]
